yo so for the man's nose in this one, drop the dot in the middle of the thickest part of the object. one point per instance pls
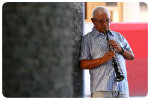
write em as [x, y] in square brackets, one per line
[105, 22]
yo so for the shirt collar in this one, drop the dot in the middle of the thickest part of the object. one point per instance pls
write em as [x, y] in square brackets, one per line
[96, 32]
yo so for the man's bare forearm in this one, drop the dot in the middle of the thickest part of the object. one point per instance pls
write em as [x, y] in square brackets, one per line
[90, 64]
[128, 55]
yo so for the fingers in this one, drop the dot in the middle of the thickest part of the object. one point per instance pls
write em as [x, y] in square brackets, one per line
[115, 45]
[110, 55]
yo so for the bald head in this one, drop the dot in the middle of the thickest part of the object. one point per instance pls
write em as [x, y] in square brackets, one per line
[100, 10]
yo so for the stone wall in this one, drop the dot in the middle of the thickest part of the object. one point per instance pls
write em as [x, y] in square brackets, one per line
[41, 45]
[78, 18]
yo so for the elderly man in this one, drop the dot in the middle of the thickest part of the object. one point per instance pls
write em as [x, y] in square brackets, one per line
[97, 57]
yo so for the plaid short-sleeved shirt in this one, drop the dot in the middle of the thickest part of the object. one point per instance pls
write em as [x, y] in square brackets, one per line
[94, 45]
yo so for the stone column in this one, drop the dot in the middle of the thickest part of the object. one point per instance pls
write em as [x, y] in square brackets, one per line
[38, 40]
[78, 19]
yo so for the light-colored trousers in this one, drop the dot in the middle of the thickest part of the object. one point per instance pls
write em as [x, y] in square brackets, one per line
[113, 94]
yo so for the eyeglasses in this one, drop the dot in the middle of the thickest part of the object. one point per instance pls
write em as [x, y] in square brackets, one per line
[103, 21]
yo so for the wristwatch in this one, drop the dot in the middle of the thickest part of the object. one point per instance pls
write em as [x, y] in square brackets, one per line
[121, 51]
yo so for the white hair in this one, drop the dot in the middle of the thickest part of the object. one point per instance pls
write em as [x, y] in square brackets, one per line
[100, 10]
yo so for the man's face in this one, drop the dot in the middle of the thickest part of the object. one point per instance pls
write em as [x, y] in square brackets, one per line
[101, 22]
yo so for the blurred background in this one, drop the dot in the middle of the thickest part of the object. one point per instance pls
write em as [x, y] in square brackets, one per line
[120, 11]
[131, 20]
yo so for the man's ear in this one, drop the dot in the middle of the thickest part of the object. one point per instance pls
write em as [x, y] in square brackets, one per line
[92, 19]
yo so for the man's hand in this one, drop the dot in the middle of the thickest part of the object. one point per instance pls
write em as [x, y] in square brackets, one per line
[108, 56]
[115, 45]
[92, 63]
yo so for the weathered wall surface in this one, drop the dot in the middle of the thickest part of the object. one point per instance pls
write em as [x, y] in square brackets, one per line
[41, 45]
[78, 12]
